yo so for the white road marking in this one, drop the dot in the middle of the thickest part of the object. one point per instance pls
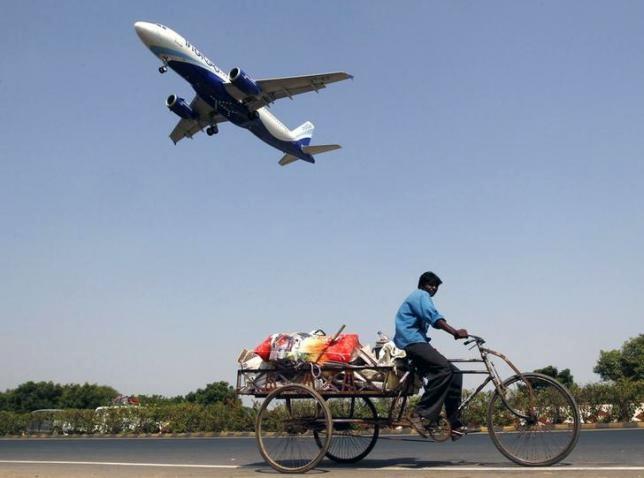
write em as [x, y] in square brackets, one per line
[386, 468]
[107, 463]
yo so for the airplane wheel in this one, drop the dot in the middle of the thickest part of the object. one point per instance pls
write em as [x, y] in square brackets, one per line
[210, 130]
[163, 69]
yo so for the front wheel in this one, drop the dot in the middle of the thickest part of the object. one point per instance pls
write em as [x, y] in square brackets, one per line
[535, 421]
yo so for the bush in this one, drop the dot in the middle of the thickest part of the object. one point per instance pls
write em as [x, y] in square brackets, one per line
[12, 423]
[609, 402]
[475, 413]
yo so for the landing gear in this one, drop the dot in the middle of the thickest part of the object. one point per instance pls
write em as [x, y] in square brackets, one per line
[210, 130]
[163, 69]
[253, 115]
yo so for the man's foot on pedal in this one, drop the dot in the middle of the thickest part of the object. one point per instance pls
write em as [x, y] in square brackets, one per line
[419, 424]
[458, 432]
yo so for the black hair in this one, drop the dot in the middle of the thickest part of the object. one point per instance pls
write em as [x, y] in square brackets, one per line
[429, 278]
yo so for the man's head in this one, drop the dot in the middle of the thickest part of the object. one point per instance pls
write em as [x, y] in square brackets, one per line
[429, 281]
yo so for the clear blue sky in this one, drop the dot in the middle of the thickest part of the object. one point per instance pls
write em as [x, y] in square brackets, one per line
[499, 144]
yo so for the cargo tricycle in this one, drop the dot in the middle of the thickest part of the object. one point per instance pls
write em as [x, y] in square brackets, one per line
[310, 411]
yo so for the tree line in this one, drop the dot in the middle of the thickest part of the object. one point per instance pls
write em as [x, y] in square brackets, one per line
[31, 396]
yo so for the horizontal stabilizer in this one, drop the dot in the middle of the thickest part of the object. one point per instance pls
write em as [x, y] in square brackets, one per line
[287, 159]
[310, 151]
[320, 148]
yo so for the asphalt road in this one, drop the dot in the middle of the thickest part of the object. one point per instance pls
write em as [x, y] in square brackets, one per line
[599, 453]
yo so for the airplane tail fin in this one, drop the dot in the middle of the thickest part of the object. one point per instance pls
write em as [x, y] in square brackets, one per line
[303, 133]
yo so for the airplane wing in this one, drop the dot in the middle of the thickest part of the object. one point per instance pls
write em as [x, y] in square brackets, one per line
[186, 128]
[277, 88]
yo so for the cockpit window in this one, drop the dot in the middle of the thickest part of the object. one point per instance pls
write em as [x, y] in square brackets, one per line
[162, 26]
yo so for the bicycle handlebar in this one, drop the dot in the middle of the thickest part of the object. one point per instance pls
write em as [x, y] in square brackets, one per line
[474, 338]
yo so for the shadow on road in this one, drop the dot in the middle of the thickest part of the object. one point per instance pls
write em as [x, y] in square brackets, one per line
[400, 462]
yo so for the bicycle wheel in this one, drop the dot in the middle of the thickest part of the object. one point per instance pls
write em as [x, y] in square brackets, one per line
[285, 427]
[536, 425]
[355, 429]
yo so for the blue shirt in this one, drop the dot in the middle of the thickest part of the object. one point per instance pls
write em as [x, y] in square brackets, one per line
[413, 319]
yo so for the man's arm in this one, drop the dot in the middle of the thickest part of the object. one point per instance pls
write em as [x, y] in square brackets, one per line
[456, 333]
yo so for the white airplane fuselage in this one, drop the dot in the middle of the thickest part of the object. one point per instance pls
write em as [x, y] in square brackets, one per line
[208, 81]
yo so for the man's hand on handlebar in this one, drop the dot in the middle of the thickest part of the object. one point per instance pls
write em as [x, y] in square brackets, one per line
[460, 334]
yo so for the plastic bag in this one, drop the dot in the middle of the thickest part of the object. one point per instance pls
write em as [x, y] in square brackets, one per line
[305, 347]
[344, 349]
[264, 349]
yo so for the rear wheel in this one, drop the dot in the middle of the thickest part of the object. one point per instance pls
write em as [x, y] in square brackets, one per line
[288, 427]
[355, 429]
[535, 422]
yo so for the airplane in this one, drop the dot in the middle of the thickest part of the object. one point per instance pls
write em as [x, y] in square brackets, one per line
[234, 97]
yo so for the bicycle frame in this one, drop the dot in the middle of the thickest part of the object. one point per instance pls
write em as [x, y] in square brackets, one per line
[492, 376]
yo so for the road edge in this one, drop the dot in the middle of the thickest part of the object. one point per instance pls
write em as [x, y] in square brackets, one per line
[402, 431]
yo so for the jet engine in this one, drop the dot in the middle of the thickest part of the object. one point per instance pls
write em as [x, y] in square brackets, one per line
[243, 82]
[179, 107]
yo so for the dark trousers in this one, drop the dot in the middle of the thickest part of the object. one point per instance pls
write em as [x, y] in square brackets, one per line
[443, 384]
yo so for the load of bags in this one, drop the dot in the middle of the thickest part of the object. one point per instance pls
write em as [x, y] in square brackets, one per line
[315, 347]
[286, 349]
[319, 348]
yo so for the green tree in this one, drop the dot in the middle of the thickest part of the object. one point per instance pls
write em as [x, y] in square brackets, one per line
[564, 377]
[86, 396]
[156, 399]
[33, 396]
[624, 364]
[213, 393]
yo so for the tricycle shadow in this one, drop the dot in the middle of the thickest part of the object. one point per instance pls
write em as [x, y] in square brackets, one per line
[405, 462]
[400, 463]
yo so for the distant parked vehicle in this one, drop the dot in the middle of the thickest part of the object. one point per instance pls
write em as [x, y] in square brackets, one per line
[46, 420]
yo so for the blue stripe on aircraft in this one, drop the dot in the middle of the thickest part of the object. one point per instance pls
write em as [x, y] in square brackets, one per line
[160, 50]
[304, 141]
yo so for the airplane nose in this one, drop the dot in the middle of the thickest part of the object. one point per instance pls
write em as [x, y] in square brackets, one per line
[146, 31]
